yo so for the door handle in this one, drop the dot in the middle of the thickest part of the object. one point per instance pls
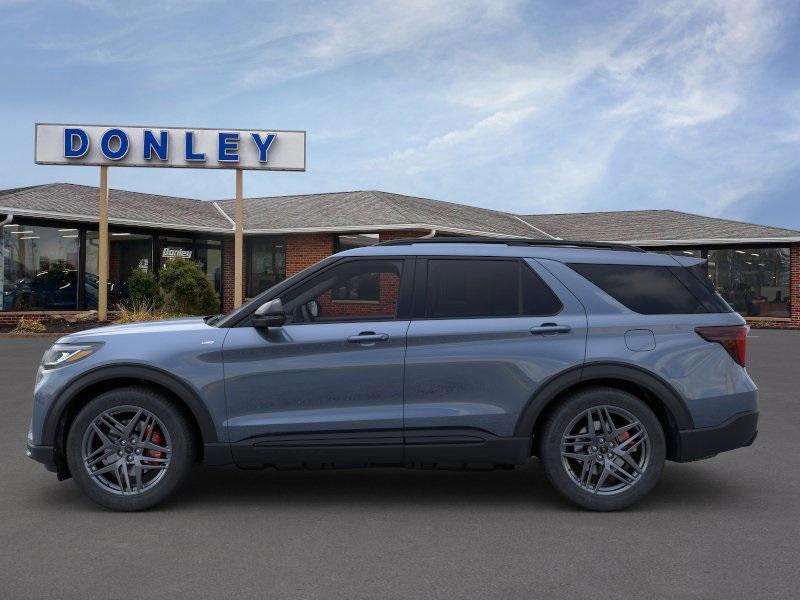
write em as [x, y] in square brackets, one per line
[550, 329]
[368, 337]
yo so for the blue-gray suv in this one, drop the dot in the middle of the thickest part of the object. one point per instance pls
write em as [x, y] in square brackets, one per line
[601, 360]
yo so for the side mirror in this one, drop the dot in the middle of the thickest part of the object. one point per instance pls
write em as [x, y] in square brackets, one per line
[269, 314]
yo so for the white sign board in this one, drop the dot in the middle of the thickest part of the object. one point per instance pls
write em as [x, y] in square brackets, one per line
[189, 148]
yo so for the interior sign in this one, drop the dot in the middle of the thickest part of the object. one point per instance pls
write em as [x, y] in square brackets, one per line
[86, 145]
[176, 253]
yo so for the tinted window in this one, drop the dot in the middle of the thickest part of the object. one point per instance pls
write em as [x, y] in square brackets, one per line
[698, 283]
[649, 290]
[486, 288]
[356, 290]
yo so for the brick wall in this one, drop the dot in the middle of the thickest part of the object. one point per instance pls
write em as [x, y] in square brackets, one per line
[303, 250]
[386, 236]
[794, 297]
[228, 273]
[794, 283]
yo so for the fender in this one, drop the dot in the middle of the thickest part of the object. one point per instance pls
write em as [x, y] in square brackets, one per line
[144, 373]
[550, 389]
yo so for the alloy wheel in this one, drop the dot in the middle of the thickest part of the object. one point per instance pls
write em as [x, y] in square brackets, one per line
[126, 450]
[605, 450]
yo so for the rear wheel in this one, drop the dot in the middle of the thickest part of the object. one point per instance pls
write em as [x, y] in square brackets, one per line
[603, 449]
[129, 448]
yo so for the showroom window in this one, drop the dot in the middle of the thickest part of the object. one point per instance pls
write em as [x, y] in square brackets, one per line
[128, 251]
[266, 263]
[754, 281]
[39, 267]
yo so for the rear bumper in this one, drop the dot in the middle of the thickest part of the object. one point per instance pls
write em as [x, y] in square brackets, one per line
[43, 454]
[737, 432]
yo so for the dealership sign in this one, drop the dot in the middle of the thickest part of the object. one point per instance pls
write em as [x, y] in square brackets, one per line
[193, 148]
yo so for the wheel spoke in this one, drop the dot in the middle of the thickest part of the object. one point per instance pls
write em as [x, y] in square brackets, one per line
[620, 473]
[601, 479]
[154, 447]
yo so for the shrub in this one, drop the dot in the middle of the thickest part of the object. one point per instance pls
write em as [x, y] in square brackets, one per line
[186, 290]
[137, 311]
[26, 325]
[143, 289]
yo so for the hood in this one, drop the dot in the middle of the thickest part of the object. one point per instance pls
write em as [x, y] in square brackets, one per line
[165, 326]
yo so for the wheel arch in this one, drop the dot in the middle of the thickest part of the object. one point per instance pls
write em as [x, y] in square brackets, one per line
[80, 391]
[660, 396]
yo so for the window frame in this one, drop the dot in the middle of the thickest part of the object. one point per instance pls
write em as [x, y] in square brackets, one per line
[420, 300]
[404, 298]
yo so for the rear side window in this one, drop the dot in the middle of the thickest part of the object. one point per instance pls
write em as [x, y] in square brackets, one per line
[459, 288]
[652, 290]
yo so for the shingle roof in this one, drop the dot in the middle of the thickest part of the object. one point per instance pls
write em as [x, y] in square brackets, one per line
[642, 226]
[365, 211]
[70, 201]
[374, 210]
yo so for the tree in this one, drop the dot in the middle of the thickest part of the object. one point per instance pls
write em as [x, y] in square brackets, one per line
[186, 290]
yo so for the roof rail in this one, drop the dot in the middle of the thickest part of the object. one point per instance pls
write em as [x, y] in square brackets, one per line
[512, 242]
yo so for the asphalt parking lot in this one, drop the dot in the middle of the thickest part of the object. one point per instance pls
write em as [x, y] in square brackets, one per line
[728, 527]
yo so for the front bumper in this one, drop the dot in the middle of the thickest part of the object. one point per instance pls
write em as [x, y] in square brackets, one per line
[737, 432]
[43, 454]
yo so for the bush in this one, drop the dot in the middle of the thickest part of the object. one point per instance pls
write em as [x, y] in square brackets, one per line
[143, 289]
[186, 290]
[137, 311]
[26, 325]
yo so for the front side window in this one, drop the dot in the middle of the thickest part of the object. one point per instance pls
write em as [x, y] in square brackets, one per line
[357, 290]
[39, 269]
[464, 288]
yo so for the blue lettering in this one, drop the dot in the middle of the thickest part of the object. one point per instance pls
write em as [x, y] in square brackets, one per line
[70, 137]
[122, 144]
[263, 145]
[159, 146]
[228, 147]
[190, 153]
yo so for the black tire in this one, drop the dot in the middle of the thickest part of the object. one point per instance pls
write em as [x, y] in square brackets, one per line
[571, 408]
[181, 459]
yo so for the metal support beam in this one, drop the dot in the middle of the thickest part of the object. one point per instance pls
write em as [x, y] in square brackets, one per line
[103, 253]
[238, 252]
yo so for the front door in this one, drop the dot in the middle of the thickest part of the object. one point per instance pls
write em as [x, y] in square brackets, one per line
[327, 386]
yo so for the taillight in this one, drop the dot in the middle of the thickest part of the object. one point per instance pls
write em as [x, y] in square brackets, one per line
[732, 337]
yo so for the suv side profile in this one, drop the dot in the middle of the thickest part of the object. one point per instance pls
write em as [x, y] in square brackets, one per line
[602, 360]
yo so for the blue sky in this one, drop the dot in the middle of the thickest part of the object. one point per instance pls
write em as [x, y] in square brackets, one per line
[521, 106]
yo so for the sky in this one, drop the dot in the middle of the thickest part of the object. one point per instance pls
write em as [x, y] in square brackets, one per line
[528, 107]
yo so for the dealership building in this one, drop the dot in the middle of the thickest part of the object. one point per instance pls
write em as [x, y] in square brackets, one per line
[50, 256]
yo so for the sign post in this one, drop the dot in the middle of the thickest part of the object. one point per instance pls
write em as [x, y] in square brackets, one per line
[238, 242]
[175, 147]
[103, 251]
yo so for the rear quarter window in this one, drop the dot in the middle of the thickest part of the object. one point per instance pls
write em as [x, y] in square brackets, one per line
[653, 290]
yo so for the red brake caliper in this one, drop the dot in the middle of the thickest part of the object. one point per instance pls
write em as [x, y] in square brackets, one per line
[157, 439]
[623, 436]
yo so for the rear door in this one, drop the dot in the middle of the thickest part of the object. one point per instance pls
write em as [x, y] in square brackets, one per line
[486, 333]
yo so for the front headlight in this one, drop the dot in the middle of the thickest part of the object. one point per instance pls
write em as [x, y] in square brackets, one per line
[66, 354]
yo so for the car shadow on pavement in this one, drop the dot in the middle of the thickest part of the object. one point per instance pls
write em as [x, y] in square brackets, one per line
[221, 488]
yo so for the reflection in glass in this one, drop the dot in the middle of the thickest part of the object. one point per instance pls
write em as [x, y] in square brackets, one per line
[754, 281]
[266, 260]
[39, 268]
[128, 252]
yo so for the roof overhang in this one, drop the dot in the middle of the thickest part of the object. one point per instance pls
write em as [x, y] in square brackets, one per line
[113, 221]
[712, 241]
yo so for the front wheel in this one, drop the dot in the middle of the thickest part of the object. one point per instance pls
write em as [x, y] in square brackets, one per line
[603, 449]
[129, 448]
